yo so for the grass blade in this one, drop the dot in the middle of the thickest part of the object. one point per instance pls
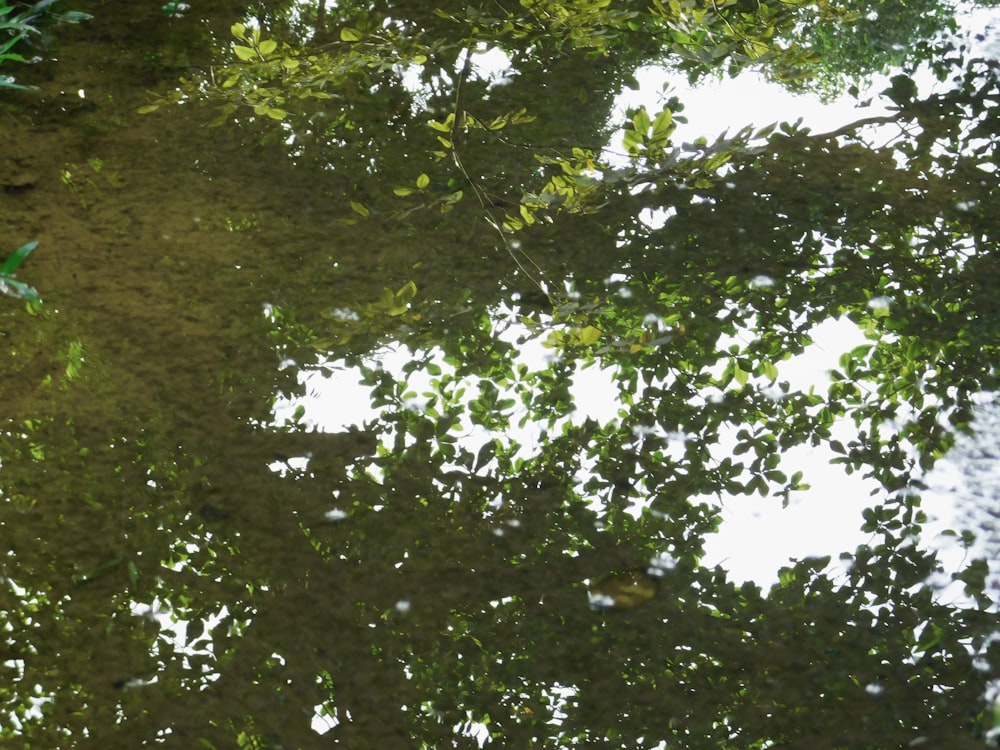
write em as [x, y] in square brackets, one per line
[17, 258]
[15, 288]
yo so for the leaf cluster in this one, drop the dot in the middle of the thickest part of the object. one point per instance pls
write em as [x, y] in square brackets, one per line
[19, 24]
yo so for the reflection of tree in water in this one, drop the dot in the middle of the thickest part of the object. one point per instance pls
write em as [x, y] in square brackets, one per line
[446, 599]
[970, 482]
[973, 466]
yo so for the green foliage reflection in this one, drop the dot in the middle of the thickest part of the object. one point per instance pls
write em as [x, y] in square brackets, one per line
[185, 570]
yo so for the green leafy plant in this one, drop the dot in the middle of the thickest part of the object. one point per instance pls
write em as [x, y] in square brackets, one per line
[10, 285]
[16, 27]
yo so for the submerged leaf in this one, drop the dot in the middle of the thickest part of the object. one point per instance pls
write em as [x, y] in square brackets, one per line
[623, 590]
[16, 288]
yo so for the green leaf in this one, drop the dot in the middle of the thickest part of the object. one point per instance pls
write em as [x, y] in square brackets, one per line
[16, 288]
[7, 82]
[350, 34]
[267, 47]
[406, 292]
[631, 141]
[740, 375]
[589, 335]
[765, 131]
[359, 208]
[444, 127]
[663, 125]
[640, 121]
[17, 258]
[511, 224]
[244, 53]
[423, 181]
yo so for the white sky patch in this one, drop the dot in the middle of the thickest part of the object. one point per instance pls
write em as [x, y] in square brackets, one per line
[758, 536]
[730, 104]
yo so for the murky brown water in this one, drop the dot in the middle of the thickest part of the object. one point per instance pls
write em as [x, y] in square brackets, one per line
[163, 584]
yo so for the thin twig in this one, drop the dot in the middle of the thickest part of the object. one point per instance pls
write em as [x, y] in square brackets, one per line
[458, 122]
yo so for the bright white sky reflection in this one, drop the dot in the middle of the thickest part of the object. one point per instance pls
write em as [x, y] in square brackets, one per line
[757, 536]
